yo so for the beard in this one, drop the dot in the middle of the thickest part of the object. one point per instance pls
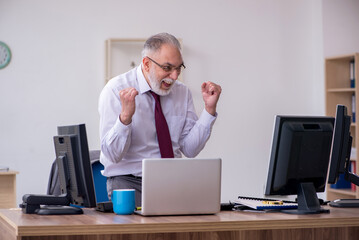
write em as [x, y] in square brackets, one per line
[156, 84]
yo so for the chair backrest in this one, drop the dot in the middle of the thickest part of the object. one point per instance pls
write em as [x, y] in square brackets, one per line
[53, 187]
[99, 181]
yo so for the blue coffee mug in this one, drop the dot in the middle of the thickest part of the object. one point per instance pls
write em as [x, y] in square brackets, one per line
[123, 201]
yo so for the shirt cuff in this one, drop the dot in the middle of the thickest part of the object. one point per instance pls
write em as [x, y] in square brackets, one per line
[207, 119]
[120, 127]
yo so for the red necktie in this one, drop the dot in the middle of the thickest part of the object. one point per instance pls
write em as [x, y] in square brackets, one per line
[163, 134]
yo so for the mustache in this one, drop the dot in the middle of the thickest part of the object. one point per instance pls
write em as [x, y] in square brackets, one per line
[168, 80]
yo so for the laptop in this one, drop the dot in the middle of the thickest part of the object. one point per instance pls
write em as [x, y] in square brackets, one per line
[181, 186]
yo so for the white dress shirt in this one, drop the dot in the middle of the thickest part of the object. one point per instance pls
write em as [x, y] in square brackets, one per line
[124, 146]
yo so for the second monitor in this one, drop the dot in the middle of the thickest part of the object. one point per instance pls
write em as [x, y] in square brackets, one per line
[340, 156]
[299, 160]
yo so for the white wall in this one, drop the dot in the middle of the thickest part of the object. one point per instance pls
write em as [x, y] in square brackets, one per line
[340, 27]
[266, 55]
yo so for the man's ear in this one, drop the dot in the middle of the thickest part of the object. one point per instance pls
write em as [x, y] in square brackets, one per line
[146, 64]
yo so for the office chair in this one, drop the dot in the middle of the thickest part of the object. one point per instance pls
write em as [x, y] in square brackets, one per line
[53, 187]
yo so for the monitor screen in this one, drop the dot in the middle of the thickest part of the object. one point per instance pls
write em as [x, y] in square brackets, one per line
[342, 143]
[75, 171]
[299, 159]
[340, 155]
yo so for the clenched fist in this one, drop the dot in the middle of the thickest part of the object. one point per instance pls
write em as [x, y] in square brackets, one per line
[127, 98]
[210, 94]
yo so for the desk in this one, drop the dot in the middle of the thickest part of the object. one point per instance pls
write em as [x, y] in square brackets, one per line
[339, 224]
[8, 189]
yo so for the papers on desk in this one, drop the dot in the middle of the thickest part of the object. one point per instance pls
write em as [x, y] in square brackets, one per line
[263, 204]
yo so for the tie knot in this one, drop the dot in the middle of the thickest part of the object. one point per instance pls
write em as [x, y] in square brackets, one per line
[155, 96]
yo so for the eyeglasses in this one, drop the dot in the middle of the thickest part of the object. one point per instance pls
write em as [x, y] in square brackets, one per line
[169, 67]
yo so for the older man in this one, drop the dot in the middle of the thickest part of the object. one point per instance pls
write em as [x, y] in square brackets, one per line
[146, 113]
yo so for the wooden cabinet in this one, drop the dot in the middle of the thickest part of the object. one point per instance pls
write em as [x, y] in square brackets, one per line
[340, 90]
[8, 189]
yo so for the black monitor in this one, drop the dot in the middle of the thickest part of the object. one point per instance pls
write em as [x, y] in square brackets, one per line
[75, 174]
[340, 156]
[71, 143]
[299, 160]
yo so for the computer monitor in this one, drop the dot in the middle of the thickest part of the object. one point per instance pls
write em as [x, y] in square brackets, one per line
[340, 156]
[299, 160]
[75, 174]
[71, 143]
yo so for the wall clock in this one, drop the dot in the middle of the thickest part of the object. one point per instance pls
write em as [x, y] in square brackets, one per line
[5, 55]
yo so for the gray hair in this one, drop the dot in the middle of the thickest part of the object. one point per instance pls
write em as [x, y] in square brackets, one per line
[155, 42]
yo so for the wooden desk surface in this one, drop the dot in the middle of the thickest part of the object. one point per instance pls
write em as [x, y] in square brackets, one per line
[16, 224]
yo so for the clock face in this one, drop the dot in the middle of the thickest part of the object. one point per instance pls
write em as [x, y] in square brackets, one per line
[5, 55]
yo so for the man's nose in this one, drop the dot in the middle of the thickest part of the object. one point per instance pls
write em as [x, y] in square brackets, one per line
[174, 75]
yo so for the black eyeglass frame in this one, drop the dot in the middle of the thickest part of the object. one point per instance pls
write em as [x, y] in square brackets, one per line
[169, 67]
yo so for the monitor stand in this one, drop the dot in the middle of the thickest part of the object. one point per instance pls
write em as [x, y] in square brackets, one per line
[308, 202]
[58, 210]
[353, 178]
[48, 205]
[345, 203]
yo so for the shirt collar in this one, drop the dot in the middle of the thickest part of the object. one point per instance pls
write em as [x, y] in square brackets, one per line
[143, 84]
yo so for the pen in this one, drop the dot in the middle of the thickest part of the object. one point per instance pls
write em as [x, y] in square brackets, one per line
[273, 202]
